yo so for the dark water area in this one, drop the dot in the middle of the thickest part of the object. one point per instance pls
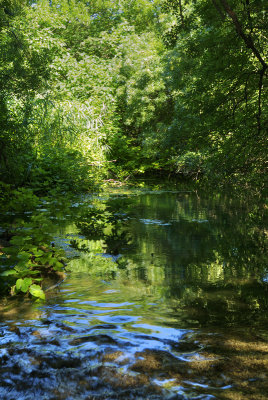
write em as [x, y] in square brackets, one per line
[165, 297]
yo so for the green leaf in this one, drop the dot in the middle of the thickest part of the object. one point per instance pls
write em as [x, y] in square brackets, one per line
[19, 240]
[20, 268]
[19, 284]
[36, 291]
[37, 252]
[23, 284]
[58, 266]
[10, 250]
[33, 272]
[23, 256]
[9, 272]
[27, 238]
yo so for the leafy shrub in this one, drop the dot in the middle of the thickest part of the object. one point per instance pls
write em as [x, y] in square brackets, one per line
[29, 258]
[190, 164]
[20, 200]
[66, 169]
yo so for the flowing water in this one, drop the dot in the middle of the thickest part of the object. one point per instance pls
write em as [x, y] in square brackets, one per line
[165, 297]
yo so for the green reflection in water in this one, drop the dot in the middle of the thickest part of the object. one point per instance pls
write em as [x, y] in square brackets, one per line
[204, 254]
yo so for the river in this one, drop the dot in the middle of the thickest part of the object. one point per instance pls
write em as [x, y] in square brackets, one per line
[165, 297]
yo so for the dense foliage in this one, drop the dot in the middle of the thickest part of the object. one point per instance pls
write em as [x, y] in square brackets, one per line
[27, 251]
[175, 85]
[216, 70]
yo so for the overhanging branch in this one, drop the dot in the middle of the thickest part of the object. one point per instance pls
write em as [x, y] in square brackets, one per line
[246, 38]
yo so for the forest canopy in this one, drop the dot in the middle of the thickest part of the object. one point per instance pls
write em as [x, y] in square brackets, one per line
[100, 89]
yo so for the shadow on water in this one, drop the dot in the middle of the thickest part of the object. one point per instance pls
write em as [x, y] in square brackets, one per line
[165, 298]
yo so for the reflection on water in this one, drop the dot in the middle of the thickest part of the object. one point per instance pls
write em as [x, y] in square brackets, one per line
[167, 300]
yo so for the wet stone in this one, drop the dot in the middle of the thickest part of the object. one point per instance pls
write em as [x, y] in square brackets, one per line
[16, 330]
[104, 326]
[157, 360]
[99, 339]
[117, 356]
[58, 362]
[185, 347]
[64, 327]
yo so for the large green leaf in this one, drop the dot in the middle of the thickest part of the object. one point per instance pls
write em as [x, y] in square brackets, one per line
[23, 284]
[36, 291]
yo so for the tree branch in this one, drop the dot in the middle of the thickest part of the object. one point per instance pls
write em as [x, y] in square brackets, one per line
[246, 38]
[250, 44]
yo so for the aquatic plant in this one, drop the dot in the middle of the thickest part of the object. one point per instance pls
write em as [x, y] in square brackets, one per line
[29, 257]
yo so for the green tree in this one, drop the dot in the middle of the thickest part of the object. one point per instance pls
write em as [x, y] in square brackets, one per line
[216, 71]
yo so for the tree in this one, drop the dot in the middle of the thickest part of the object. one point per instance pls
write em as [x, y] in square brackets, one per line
[216, 70]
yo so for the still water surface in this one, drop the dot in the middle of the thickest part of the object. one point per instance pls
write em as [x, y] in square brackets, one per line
[165, 298]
